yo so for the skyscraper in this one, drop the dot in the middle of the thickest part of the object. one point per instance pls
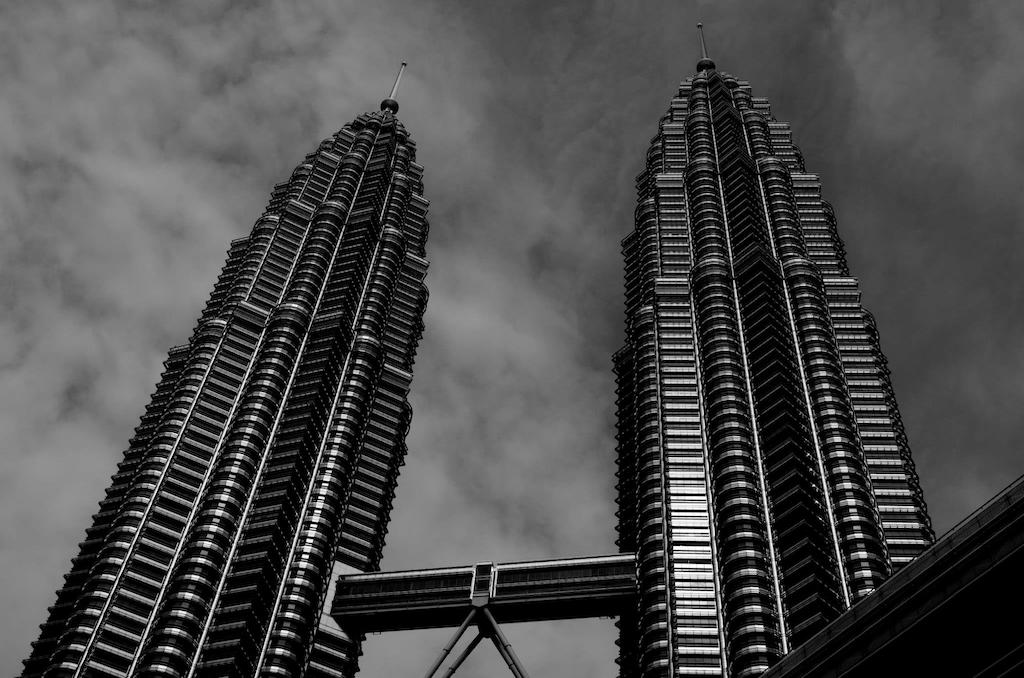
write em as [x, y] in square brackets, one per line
[271, 447]
[764, 478]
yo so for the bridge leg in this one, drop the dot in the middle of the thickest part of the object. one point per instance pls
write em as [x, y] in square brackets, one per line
[451, 644]
[462, 657]
[504, 647]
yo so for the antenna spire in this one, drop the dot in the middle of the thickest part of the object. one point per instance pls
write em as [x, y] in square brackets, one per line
[390, 104]
[705, 63]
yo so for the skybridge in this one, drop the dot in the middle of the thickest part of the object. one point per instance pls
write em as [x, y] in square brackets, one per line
[573, 588]
[484, 594]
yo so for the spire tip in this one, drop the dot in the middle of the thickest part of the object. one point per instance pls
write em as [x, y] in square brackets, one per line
[390, 104]
[705, 63]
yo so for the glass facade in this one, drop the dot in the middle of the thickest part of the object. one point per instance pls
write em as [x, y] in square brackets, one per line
[764, 478]
[272, 445]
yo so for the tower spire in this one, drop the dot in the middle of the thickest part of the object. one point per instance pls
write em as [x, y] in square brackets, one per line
[390, 104]
[705, 63]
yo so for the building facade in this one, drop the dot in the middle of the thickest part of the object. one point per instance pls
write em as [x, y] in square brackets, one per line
[271, 447]
[764, 478]
[941, 600]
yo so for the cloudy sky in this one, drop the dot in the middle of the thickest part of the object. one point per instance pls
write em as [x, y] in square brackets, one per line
[137, 139]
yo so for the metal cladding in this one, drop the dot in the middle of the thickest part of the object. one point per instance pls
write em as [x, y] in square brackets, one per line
[272, 445]
[764, 478]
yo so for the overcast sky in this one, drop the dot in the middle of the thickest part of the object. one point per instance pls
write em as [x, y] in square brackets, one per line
[137, 139]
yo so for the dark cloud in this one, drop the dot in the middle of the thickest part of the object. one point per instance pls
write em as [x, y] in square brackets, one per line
[137, 139]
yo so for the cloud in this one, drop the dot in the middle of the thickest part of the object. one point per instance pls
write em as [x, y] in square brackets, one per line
[939, 160]
[137, 140]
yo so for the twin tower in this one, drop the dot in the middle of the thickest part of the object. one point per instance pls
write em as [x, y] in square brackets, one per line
[764, 480]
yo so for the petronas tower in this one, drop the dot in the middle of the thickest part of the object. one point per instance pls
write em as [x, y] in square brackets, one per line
[764, 478]
[271, 447]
